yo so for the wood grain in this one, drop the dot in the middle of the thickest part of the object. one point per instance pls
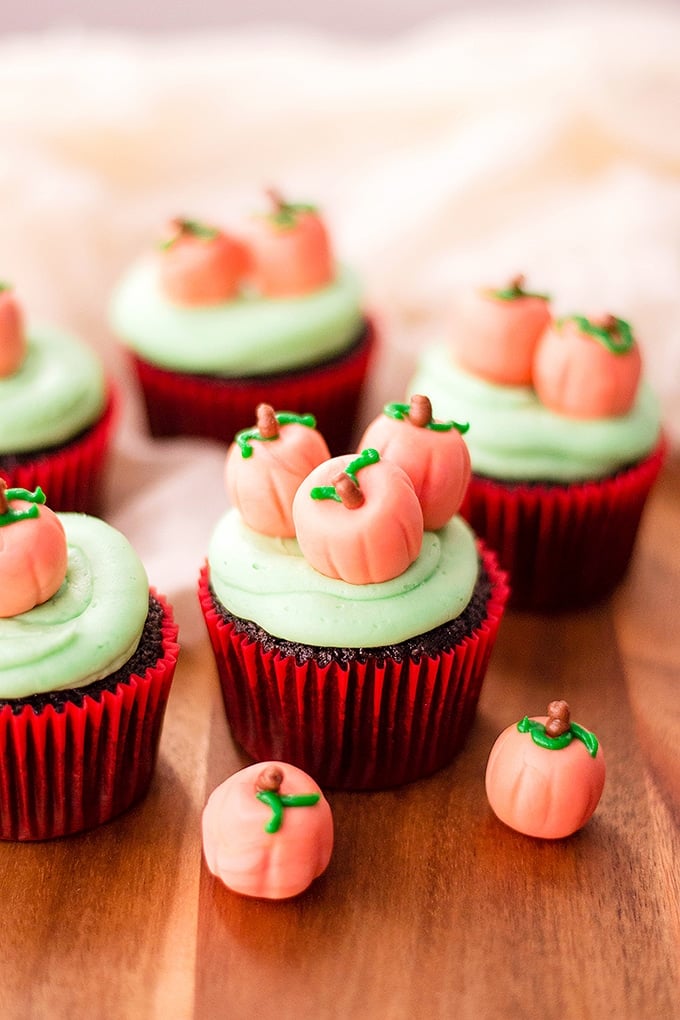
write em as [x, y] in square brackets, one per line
[430, 907]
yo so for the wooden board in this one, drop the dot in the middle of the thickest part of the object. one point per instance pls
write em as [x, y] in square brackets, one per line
[430, 907]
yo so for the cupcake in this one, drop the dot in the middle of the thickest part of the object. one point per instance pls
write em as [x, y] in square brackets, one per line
[566, 441]
[56, 411]
[87, 657]
[215, 324]
[349, 640]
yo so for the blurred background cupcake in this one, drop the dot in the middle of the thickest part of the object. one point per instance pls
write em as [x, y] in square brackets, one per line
[56, 410]
[215, 324]
[565, 439]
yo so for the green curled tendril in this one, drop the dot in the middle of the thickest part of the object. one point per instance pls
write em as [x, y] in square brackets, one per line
[194, 227]
[605, 336]
[244, 438]
[12, 514]
[400, 412]
[365, 458]
[514, 292]
[286, 214]
[575, 732]
[278, 801]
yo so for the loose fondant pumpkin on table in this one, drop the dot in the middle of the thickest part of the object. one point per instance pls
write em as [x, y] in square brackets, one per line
[545, 775]
[588, 368]
[358, 519]
[496, 332]
[266, 464]
[432, 453]
[268, 831]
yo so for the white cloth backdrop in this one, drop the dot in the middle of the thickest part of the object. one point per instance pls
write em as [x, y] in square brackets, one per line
[460, 153]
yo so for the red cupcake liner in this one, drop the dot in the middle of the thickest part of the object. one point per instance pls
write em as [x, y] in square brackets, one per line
[194, 405]
[360, 726]
[564, 547]
[71, 475]
[65, 771]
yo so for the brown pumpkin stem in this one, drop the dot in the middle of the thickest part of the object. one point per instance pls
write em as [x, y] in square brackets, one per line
[276, 198]
[420, 411]
[559, 719]
[267, 425]
[4, 505]
[270, 778]
[607, 322]
[517, 282]
[348, 491]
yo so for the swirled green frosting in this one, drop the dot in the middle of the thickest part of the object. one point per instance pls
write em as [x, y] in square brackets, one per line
[249, 335]
[515, 437]
[90, 627]
[267, 580]
[58, 391]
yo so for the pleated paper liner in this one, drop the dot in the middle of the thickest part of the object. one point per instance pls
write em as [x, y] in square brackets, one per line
[217, 408]
[568, 546]
[362, 725]
[71, 474]
[69, 768]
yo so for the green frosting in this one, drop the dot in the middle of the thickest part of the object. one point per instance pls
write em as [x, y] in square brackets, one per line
[515, 437]
[267, 580]
[249, 335]
[58, 391]
[90, 627]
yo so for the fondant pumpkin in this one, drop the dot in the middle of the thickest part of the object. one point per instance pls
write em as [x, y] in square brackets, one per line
[495, 332]
[588, 368]
[545, 775]
[290, 250]
[12, 336]
[201, 265]
[433, 454]
[33, 551]
[358, 519]
[266, 464]
[268, 831]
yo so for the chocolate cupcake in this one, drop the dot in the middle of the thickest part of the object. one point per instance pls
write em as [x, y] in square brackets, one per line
[216, 324]
[57, 411]
[88, 657]
[355, 646]
[566, 441]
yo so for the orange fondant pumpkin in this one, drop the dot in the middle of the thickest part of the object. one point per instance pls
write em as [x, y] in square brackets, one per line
[433, 454]
[265, 466]
[12, 336]
[268, 831]
[588, 368]
[358, 519]
[201, 265]
[545, 775]
[33, 551]
[495, 332]
[290, 250]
